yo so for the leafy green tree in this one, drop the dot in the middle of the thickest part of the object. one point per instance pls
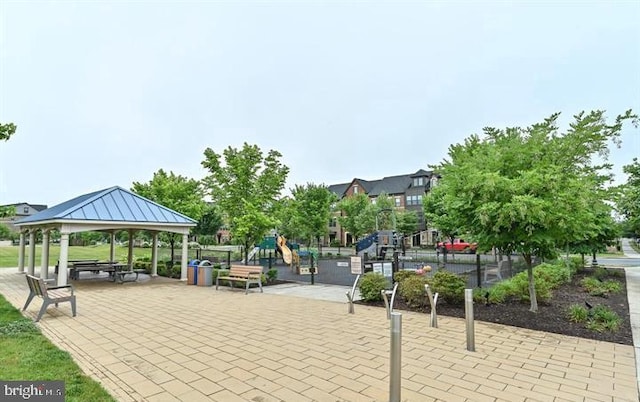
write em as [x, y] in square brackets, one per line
[528, 190]
[604, 231]
[435, 211]
[175, 192]
[7, 211]
[5, 232]
[288, 222]
[407, 224]
[378, 215]
[6, 131]
[312, 210]
[245, 184]
[351, 209]
[628, 203]
[210, 221]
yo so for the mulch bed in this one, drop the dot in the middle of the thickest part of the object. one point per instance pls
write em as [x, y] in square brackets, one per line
[551, 317]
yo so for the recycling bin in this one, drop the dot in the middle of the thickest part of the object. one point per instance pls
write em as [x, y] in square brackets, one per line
[205, 273]
[192, 272]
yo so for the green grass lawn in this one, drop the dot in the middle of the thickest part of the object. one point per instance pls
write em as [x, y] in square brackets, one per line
[9, 254]
[26, 354]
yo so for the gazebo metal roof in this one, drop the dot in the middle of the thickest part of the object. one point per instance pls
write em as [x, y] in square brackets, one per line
[113, 204]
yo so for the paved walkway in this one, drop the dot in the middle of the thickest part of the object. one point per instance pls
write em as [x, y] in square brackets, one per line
[166, 341]
[633, 293]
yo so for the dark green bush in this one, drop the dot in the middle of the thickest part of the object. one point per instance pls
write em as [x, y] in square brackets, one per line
[520, 288]
[578, 313]
[554, 275]
[412, 289]
[371, 286]
[272, 274]
[402, 275]
[449, 286]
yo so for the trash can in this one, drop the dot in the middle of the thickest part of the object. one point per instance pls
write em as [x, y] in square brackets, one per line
[192, 272]
[205, 273]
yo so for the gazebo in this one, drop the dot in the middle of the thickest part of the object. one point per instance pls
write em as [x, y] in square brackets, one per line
[108, 210]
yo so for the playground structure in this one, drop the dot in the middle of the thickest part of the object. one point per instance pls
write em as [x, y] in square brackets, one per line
[376, 245]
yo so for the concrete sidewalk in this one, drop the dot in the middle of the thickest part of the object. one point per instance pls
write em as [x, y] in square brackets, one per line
[166, 341]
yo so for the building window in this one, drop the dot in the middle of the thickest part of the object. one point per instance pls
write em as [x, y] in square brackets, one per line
[418, 182]
[414, 200]
[333, 222]
[373, 201]
[355, 189]
[398, 201]
[26, 210]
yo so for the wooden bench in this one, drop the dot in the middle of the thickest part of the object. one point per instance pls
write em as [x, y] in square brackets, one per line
[49, 294]
[242, 273]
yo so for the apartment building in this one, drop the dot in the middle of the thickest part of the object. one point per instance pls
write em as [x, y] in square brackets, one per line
[407, 190]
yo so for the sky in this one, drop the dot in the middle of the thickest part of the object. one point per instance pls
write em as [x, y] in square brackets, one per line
[106, 93]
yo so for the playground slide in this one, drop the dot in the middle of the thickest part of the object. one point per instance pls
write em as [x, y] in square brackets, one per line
[252, 253]
[286, 252]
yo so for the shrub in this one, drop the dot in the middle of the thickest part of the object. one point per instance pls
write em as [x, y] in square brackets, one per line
[520, 288]
[553, 274]
[371, 286]
[412, 289]
[596, 287]
[335, 243]
[499, 294]
[600, 273]
[402, 275]
[578, 313]
[603, 319]
[449, 286]
[272, 274]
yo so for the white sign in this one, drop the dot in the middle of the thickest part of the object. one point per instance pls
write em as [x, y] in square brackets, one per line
[377, 267]
[387, 268]
[356, 265]
[342, 264]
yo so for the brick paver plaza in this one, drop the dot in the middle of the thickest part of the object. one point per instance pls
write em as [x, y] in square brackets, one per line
[166, 341]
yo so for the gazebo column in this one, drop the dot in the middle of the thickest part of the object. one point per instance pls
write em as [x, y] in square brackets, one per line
[112, 249]
[154, 255]
[130, 254]
[21, 253]
[185, 257]
[32, 252]
[44, 259]
[63, 263]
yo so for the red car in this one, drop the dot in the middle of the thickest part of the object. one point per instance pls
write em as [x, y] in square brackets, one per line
[458, 246]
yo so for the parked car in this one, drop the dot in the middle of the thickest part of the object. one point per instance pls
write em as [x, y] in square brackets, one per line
[458, 246]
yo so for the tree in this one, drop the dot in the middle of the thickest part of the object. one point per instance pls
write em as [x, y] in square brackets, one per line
[210, 221]
[176, 192]
[7, 211]
[528, 190]
[351, 209]
[378, 215]
[6, 131]
[406, 224]
[245, 185]
[628, 203]
[5, 232]
[312, 210]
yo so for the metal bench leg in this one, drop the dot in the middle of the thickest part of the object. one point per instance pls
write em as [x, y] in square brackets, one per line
[45, 304]
[216, 283]
[246, 288]
[29, 299]
[260, 284]
[73, 306]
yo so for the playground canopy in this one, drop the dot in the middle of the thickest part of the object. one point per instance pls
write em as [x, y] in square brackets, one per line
[109, 210]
